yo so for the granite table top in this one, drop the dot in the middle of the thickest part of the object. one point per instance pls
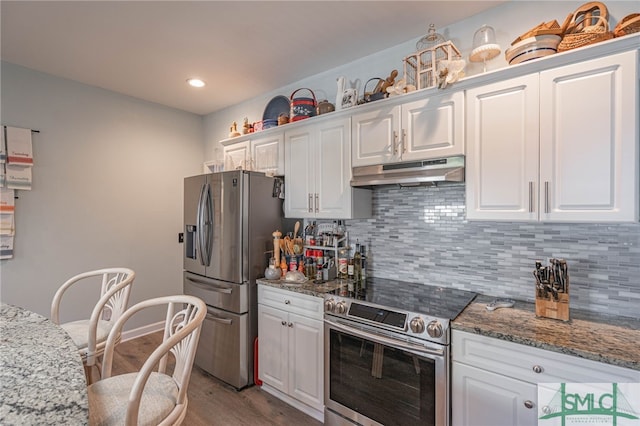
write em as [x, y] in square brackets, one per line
[605, 338]
[42, 378]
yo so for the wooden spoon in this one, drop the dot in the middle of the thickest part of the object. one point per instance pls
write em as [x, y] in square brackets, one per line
[296, 228]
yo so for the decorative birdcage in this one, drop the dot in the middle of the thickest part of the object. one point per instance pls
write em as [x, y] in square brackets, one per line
[421, 68]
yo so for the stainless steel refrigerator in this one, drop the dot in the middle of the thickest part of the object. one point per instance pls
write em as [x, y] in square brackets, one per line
[229, 218]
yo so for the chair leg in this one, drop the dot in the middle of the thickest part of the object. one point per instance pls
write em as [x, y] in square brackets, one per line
[87, 374]
[92, 373]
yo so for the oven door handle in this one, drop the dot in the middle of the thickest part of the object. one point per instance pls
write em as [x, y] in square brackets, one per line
[385, 340]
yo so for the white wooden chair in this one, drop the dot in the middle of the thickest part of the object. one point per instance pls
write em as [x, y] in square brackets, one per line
[90, 335]
[151, 397]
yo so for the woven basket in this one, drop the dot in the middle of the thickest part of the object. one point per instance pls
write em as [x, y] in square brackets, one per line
[628, 25]
[586, 27]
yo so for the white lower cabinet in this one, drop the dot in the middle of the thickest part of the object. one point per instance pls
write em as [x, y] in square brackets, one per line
[290, 348]
[495, 382]
[482, 397]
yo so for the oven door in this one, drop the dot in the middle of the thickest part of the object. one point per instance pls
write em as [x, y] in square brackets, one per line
[374, 379]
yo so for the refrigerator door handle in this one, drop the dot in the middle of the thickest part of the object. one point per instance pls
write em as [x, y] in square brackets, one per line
[225, 321]
[200, 226]
[209, 286]
[207, 240]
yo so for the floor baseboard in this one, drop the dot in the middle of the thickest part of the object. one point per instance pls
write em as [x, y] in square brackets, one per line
[142, 331]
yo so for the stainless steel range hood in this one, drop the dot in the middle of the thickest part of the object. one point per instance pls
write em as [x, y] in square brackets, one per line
[412, 173]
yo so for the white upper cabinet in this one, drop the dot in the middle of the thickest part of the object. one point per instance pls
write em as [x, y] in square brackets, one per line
[433, 127]
[318, 173]
[589, 140]
[375, 136]
[257, 152]
[426, 128]
[559, 145]
[501, 165]
[267, 154]
[237, 155]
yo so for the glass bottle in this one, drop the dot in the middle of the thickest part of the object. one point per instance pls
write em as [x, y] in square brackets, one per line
[350, 271]
[342, 263]
[357, 269]
[363, 273]
[340, 229]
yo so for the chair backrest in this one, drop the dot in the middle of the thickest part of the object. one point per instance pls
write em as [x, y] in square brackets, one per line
[114, 298]
[183, 322]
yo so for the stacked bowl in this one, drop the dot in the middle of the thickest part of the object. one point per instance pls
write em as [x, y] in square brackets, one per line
[532, 48]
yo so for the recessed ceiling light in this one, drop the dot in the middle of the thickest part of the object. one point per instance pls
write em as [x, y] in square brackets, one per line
[196, 82]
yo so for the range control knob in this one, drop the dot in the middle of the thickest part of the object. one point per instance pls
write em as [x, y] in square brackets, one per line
[434, 328]
[417, 325]
[341, 308]
[329, 305]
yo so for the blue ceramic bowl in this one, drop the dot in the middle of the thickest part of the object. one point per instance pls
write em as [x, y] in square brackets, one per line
[269, 122]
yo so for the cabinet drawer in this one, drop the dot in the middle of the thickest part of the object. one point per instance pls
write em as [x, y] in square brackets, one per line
[531, 364]
[290, 301]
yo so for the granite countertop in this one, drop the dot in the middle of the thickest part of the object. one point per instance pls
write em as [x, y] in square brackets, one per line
[41, 373]
[309, 287]
[608, 339]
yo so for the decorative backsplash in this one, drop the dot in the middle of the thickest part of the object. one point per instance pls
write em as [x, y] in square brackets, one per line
[422, 235]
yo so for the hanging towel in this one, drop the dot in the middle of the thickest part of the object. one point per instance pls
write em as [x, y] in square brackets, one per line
[6, 247]
[18, 177]
[7, 209]
[7, 201]
[7, 226]
[3, 146]
[19, 149]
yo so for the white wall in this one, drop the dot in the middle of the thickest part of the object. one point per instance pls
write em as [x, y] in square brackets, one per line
[508, 20]
[107, 190]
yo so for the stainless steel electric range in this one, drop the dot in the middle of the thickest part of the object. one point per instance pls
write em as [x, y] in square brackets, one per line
[387, 353]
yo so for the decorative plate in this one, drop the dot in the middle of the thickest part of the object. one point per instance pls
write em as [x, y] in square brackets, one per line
[276, 106]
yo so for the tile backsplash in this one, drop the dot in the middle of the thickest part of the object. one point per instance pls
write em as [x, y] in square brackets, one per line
[422, 235]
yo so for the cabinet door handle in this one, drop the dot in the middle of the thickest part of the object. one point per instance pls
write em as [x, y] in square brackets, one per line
[546, 197]
[528, 404]
[395, 143]
[283, 322]
[537, 369]
[290, 324]
[287, 302]
[317, 203]
[310, 203]
[531, 197]
[403, 141]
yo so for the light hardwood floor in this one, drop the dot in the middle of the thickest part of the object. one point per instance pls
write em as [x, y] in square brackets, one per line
[212, 402]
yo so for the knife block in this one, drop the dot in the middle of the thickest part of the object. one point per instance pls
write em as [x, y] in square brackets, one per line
[550, 308]
[552, 290]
